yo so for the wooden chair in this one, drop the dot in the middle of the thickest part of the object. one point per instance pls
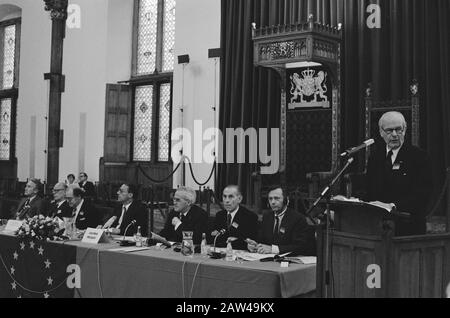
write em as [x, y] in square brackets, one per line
[410, 108]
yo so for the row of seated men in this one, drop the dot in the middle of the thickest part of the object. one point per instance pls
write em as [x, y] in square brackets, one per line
[281, 231]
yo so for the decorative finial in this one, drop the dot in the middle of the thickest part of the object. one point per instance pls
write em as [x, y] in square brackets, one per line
[57, 8]
[369, 90]
[414, 87]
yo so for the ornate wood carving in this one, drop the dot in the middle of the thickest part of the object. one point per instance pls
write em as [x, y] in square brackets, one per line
[277, 46]
[57, 8]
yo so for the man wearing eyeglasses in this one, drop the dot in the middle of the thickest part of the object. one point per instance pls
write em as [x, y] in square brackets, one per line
[59, 207]
[398, 174]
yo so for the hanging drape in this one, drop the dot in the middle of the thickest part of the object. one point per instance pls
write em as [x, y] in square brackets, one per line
[413, 42]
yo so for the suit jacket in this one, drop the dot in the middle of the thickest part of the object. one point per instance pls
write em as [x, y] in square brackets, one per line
[35, 207]
[196, 220]
[87, 217]
[295, 234]
[89, 189]
[243, 226]
[408, 185]
[136, 211]
[64, 211]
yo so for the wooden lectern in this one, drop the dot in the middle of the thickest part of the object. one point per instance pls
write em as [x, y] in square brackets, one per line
[366, 260]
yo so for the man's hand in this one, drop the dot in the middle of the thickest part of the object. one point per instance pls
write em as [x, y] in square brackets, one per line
[176, 221]
[264, 249]
[252, 245]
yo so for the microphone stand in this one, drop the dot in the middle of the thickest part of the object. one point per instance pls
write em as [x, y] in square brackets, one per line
[327, 192]
[127, 243]
[214, 254]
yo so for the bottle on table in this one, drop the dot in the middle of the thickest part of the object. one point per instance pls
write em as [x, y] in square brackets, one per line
[138, 237]
[229, 256]
[203, 245]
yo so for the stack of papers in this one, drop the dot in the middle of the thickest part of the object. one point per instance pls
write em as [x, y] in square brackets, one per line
[251, 257]
[306, 260]
[129, 249]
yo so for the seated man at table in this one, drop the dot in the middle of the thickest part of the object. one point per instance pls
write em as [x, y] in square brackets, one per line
[33, 204]
[283, 230]
[235, 221]
[129, 211]
[186, 216]
[59, 207]
[85, 214]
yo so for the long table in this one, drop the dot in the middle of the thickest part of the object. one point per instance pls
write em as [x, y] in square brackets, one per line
[151, 273]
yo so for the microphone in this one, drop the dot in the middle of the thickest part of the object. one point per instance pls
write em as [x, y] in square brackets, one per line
[214, 254]
[353, 150]
[127, 243]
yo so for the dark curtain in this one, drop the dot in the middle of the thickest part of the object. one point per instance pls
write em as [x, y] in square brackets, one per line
[413, 42]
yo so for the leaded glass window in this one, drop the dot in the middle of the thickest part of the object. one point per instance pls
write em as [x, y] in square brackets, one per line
[147, 35]
[9, 57]
[164, 123]
[153, 65]
[9, 49]
[154, 52]
[5, 128]
[169, 35]
[143, 121]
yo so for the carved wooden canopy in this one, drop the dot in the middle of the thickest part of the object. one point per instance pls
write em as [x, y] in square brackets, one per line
[293, 46]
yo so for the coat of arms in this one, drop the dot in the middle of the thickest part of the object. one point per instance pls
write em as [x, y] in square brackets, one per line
[309, 90]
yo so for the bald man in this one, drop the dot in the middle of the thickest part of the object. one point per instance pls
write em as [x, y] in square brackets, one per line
[399, 174]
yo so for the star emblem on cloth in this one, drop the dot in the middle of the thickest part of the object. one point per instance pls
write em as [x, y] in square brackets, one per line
[22, 246]
[47, 264]
[46, 295]
[41, 250]
[13, 270]
[50, 281]
[13, 285]
[16, 256]
[32, 245]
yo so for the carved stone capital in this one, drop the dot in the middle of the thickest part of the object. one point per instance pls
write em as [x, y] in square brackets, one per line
[57, 8]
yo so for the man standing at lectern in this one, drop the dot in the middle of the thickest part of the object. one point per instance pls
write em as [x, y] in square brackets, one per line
[399, 174]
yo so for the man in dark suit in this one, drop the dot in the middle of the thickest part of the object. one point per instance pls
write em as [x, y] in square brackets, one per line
[235, 220]
[283, 230]
[33, 204]
[59, 207]
[87, 186]
[185, 217]
[399, 175]
[129, 211]
[85, 214]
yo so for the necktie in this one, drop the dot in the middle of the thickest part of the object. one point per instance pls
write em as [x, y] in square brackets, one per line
[389, 160]
[228, 220]
[24, 209]
[276, 229]
[124, 210]
[181, 217]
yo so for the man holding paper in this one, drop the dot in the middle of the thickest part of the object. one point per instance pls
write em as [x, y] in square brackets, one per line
[283, 230]
[398, 174]
[130, 210]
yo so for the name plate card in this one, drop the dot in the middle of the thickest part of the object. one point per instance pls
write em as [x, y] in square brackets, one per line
[94, 236]
[12, 226]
